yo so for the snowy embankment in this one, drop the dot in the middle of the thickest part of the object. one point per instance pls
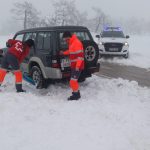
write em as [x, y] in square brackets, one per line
[111, 115]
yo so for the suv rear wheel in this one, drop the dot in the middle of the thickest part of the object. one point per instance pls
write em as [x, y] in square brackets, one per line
[91, 53]
[38, 78]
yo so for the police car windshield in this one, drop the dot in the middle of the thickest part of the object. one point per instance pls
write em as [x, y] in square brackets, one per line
[116, 34]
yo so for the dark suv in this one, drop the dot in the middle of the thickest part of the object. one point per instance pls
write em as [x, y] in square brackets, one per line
[44, 61]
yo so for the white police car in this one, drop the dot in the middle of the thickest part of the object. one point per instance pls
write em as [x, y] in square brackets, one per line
[112, 41]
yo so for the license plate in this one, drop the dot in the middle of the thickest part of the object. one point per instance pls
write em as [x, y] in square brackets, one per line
[65, 62]
[113, 49]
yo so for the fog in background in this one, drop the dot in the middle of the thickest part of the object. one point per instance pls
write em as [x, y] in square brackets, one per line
[132, 15]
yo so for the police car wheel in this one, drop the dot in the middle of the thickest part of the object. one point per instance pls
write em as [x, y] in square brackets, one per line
[126, 55]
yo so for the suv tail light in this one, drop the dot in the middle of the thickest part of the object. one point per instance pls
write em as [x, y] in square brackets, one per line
[55, 64]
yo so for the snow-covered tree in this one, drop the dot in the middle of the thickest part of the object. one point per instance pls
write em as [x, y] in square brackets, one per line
[133, 25]
[65, 13]
[99, 20]
[26, 13]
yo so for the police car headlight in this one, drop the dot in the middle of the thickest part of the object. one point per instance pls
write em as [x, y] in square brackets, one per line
[126, 44]
[101, 43]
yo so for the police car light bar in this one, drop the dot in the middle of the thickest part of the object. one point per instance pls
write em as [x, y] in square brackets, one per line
[112, 29]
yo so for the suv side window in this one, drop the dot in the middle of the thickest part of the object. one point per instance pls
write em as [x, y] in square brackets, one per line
[30, 35]
[44, 41]
[62, 43]
[40, 38]
[34, 36]
[82, 35]
[19, 37]
[47, 38]
[27, 36]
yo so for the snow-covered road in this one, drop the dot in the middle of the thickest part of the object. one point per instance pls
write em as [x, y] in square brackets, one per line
[131, 73]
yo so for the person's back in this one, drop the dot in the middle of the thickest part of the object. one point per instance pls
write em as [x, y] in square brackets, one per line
[75, 43]
[17, 51]
[16, 47]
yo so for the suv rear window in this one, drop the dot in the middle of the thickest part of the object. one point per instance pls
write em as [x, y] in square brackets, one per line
[82, 35]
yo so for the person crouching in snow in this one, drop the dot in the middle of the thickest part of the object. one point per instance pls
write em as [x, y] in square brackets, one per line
[16, 53]
[76, 56]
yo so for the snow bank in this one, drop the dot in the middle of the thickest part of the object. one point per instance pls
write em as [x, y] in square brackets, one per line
[112, 115]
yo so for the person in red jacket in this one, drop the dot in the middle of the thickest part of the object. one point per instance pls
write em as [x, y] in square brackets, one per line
[76, 55]
[16, 53]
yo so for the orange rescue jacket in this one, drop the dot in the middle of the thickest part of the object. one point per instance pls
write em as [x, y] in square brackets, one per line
[76, 53]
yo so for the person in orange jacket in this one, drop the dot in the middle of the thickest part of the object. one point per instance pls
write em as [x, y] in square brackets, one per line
[16, 53]
[76, 56]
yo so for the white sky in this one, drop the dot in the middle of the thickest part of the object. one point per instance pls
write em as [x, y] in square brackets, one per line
[114, 8]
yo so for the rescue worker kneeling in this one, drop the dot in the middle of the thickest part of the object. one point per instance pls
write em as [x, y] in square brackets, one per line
[16, 53]
[76, 55]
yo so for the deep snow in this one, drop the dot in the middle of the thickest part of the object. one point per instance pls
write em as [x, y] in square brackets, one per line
[113, 114]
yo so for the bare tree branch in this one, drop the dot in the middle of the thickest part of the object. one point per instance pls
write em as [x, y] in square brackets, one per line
[27, 13]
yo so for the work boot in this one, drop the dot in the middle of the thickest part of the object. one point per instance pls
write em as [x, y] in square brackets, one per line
[19, 88]
[74, 96]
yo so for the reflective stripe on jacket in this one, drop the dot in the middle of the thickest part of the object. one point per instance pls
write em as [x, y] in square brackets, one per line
[76, 53]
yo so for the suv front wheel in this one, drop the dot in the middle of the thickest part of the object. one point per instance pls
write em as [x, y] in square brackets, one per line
[37, 77]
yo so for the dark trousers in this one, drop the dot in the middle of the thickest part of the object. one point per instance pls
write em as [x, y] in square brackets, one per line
[74, 80]
[10, 60]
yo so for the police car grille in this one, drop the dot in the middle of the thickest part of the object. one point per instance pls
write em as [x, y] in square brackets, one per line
[113, 47]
